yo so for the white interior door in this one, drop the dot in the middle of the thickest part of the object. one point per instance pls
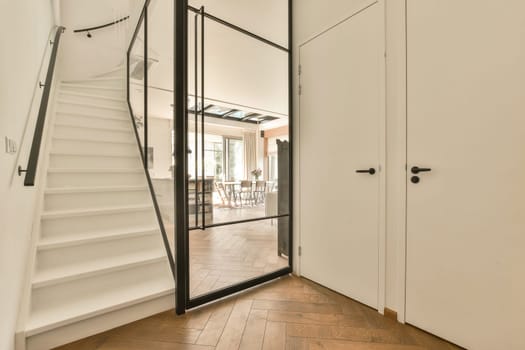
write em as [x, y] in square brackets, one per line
[341, 123]
[466, 218]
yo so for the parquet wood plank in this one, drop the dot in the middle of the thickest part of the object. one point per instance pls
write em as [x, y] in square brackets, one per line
[288, 313]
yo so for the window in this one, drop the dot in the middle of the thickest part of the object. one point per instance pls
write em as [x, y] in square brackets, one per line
[234, 159]
[214, 157]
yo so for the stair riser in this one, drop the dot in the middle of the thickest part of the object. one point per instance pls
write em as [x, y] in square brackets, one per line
[104, 83]
[82, 121]
[52, 259]
[77, 293]
[71, 227]
[94, 134]
[95, 91]
[64, 107]
[94, 162]
[91, 100]
[95, 179]
[70, 201]
[86, 147]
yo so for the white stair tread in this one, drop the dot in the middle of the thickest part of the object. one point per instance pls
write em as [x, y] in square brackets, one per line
[83, 94]
[94, 141]
[96, 170]
[98, 211]
[93, 105]
[96, 116]
[67, 125]
[114, 263]
[95, 189]
[54, 242]
[95, 305]
[101, 87]
[78, 154]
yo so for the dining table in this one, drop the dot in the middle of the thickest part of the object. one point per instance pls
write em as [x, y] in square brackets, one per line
[229, 188]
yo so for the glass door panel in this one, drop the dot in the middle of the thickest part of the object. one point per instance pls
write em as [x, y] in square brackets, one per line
[238, 159]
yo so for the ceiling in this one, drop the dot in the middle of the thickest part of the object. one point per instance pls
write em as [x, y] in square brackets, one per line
[240, 72]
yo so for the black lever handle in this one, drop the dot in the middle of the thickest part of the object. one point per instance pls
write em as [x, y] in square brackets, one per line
[370, 171]
[417, 170]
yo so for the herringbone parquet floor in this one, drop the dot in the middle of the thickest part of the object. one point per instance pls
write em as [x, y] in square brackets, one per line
[290, 313]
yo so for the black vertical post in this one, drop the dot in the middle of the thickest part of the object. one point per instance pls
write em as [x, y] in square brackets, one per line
[195, 115]
[146, 88]
[127, 76]
[290, 133]
[180, 117]
[202, 123]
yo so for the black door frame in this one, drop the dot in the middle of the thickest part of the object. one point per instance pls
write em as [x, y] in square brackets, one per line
[180, 121]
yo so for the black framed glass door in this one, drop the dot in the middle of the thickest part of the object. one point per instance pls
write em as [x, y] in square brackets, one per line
[234, 142]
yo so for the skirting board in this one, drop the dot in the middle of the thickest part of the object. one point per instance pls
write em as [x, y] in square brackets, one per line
[391, 314]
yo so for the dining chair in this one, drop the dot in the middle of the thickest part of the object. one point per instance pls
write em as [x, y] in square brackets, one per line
[219, 186]
[260, 191]
[245, 192]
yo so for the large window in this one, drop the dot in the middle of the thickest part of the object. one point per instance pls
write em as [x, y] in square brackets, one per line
[234, 159]
[224, 157]
[213, 156]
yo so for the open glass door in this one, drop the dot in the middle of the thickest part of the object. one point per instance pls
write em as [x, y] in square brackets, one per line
[237, 140]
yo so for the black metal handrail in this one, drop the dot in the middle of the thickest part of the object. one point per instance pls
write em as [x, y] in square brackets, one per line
[34, 154]
[91, 29]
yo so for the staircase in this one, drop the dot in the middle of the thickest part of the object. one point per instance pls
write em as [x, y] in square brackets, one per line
[100, 260]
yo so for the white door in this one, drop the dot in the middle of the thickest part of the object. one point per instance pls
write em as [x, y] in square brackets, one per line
[341, 123]
[466, 217]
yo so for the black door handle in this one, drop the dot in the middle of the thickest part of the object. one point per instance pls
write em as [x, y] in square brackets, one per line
[417, 170]
[370, 171]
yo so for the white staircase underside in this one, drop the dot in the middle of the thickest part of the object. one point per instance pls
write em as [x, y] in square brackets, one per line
[100, 261]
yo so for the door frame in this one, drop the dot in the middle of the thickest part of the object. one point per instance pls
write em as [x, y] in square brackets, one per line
[381, 292]
[183, 300]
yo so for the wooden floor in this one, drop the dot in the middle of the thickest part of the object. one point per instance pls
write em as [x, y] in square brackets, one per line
[290, 313]
[226, 255]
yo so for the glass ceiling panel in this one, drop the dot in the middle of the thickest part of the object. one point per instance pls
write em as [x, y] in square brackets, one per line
[218, 110]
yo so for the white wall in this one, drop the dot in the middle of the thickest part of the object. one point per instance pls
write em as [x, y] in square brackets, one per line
[25, 27]
[253, 15]
[310, 18]
[105, 50]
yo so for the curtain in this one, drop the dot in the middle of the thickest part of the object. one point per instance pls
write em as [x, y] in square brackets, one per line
[250, 153]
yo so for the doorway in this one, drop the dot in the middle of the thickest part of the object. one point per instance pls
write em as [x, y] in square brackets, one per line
[466, 135]
[237, 220]
[342, 121]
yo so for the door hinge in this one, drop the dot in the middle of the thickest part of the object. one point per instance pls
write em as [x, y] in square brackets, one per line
[300, 250]
[300, 89]
[300, 69]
